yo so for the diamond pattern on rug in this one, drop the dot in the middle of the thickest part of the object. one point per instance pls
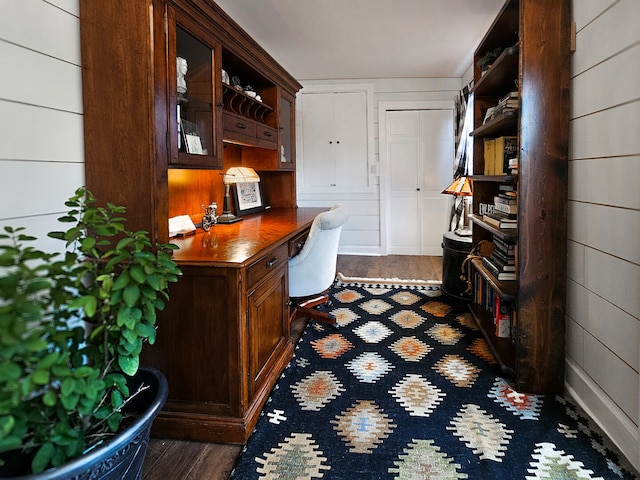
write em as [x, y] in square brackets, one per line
[437, 309]
[522, 405]
[369, 367]
[344, 316]
[410, 349]
[407, 319]
[553, 464]
[363, 426]
[398, 392]
[480, 348]
[423, 460]
[297, 458]
[445, 334]
[348, 296]
[481, 432]
[375, 306]
[417, 395]
[372, 332]
[457, 370]
[405, 298]
[332, 346]
[316, 390]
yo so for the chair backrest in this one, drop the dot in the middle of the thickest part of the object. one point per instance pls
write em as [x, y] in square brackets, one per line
[313, 270]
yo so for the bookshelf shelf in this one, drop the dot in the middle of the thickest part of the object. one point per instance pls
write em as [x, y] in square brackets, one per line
[501, 348]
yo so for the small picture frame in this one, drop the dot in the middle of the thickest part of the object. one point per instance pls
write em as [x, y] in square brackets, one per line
[247, 198]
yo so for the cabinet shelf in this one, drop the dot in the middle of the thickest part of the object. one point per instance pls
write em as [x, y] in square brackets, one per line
[502, 348]
[503, 123]
[238, 102]
[502, 75]
[495, 178]
[507, 235]
[506, 290]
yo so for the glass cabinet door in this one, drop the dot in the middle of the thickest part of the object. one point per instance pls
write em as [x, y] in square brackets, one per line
[287, 135]
[196, 111]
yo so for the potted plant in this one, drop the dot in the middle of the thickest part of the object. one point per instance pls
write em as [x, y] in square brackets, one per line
[72, 326]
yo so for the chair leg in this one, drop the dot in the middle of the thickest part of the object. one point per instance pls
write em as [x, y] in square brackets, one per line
[305, 308]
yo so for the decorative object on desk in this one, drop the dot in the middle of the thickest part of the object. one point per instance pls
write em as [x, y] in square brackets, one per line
[247, 198]
[407, 388]
[181, 72]
[191, 137]
[210, 216]
[235, 82]
[225, 76]
[73, 327]
[234, 176]
[461, 190]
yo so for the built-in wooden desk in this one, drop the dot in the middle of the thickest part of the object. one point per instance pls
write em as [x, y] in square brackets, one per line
[223, 339]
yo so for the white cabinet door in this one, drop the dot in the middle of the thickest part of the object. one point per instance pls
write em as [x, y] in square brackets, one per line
[335, 143]
[420, 156]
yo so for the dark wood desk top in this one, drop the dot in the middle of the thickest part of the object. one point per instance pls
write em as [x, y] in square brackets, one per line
[238, 244]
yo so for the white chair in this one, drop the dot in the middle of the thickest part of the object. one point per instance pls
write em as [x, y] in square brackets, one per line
[313, 270]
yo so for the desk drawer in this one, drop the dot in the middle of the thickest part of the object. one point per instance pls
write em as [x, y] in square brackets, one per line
[296, 243]
[260, 269]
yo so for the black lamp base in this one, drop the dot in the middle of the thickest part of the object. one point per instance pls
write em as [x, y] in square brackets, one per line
[228, 218]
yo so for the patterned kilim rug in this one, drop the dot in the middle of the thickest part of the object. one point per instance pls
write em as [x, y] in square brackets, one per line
[406, 388]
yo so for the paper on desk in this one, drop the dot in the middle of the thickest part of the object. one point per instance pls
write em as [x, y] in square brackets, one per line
[181, 225]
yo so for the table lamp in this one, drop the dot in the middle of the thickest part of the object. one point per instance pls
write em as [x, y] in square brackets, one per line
[461, 187]
[230, 177]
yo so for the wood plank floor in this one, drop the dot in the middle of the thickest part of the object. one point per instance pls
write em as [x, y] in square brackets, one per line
[184, 460]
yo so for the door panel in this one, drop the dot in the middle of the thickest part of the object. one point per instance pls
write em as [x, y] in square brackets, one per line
[420, 156]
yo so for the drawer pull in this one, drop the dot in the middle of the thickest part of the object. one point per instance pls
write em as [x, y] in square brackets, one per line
[242, 126]
[272, 262]
[268, 134]
[299, 245]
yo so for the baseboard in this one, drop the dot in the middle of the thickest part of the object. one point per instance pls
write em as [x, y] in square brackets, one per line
[619, 428]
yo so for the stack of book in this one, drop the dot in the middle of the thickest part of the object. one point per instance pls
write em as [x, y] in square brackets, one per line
[504, 214]
[507, 105]
[502, 261]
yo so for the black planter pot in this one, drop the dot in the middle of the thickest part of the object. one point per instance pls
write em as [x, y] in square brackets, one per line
[122, 457]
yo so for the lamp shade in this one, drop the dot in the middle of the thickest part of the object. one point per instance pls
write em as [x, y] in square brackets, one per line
[240, 175]
[461, 187]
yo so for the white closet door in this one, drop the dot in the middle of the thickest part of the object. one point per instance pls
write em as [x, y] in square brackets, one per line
[318, 166]
[420, 153]
[350, 139]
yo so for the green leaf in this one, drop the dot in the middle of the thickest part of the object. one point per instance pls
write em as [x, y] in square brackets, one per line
[129, 365]
[9, 443]
[114, 421]
[41, 377]
[6, 425]
[42, 457]
[131, 295]
[138, 274]
[68, 386]
[50, 398]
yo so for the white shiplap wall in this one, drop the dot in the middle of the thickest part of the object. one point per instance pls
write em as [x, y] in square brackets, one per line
[362, 233]
[603, 288]
[41, 147]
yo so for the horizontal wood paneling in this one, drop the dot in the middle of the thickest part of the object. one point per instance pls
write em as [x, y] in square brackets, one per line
[39, 133]
[603, 306]
[51, 28]
[41, 155]
[41, 80]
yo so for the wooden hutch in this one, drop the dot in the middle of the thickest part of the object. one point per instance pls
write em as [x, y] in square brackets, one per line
[224, 338]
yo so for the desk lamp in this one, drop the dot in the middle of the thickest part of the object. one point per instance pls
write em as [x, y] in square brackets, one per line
[461, 187]
[232, 176]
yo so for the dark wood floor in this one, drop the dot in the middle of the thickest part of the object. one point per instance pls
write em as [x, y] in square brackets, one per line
[184, 460]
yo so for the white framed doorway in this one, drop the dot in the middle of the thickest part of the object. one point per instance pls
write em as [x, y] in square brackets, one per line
[416, 141]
